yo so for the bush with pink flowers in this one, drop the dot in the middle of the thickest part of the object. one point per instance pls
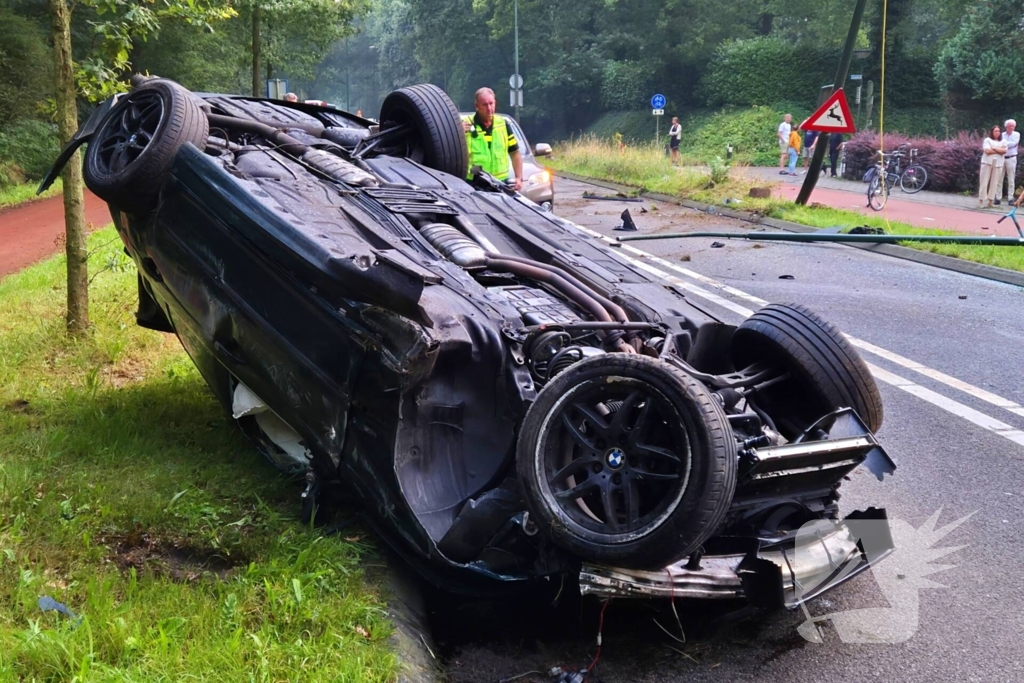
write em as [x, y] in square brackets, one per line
[952, 165]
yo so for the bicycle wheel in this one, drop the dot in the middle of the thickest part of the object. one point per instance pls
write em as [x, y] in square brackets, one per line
[913, 179]
[878, 193]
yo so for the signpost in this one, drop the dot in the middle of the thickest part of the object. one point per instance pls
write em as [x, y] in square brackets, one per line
[832, 117]
[515, 96]
[657, 110]
[276, 88]
[844, 67]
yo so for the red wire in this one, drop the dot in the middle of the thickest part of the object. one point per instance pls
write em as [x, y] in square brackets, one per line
[600, 628]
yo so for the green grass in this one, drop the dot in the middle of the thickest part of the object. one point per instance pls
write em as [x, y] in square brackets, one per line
[127, 494]
[1011, 257]
[645, 168]
[25, 192]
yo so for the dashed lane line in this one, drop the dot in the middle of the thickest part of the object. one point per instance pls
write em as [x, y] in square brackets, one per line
[956, 408]
[909, 364]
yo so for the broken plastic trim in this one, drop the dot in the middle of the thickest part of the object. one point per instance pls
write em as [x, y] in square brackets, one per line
[770, 575]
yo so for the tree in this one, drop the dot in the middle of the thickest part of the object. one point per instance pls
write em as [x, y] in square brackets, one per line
[97, 77]
[77, 318]
[984, 61]
[298, 35]
[25, 64]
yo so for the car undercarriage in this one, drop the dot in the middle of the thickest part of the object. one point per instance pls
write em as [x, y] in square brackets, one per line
[503, 397]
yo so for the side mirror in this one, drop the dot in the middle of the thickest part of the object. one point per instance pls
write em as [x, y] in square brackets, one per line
[541, 149]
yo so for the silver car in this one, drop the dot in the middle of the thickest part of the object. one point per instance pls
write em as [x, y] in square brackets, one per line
[538, 183]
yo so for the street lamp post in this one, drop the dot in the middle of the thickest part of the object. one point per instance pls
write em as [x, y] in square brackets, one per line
[516, 39]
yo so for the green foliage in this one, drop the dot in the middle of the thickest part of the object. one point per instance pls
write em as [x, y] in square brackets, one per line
[25, 67]
[707, 132]
[750, 131]
[123, 23]
[984, 61]
[128, 495]
[764, 71]
[626, 85]
[210, 61]
[31, 145]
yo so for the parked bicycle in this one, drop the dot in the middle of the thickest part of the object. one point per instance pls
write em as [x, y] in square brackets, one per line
[889, 167]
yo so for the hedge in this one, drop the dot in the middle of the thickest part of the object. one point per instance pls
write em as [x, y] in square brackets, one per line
[31, 146]
[953, 165]
[764, 71]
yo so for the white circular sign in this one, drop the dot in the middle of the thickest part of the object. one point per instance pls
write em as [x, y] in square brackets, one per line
[515, 81]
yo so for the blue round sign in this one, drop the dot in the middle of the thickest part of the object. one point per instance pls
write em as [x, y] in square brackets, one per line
[658, 102]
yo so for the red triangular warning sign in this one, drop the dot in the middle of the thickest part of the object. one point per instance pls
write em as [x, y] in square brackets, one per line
[831, 117]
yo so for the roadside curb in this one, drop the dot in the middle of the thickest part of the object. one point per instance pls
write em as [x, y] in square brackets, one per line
[412, 641]
[1004, 275]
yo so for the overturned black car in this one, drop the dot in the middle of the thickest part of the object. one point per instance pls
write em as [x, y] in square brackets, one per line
[504, 397]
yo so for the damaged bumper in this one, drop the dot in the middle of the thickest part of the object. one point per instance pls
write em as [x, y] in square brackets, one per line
[782, 572]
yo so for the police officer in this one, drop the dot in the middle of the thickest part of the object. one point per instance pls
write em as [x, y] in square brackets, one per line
[491, 141]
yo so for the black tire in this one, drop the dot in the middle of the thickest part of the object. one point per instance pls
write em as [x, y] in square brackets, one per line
[878, 193]
[686, 495]
[913, 179]
[826, 372]
[440, 141]
[131, 154]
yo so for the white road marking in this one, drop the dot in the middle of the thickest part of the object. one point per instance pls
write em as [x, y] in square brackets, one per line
[936, 375]
[960, 410]
[949, 381]
[925, 218]
[936, 399]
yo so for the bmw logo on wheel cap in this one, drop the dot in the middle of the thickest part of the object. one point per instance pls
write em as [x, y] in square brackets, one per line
[615, 458]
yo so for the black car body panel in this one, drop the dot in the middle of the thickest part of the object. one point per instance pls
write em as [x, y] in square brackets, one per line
[406, 376]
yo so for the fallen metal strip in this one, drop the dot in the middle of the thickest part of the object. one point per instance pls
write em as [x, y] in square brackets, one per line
[834, 237]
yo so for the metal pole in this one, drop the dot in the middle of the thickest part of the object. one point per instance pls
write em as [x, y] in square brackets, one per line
[844, 66]
[833, 237]
[517, 89]
[348, 69]
[657, 131]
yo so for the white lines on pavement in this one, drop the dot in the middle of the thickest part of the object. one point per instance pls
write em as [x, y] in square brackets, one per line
[936, 375]
[960, 410]
[936, 399]
[925, 218]
[949, 381]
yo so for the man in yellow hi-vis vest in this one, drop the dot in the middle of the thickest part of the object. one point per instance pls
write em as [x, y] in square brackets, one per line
[491, 141]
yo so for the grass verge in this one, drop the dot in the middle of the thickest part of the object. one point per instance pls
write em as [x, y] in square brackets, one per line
[128, 495]
[647, 169]
[26, 192]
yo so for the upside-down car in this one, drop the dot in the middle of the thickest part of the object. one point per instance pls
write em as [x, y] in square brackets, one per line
[503, 396]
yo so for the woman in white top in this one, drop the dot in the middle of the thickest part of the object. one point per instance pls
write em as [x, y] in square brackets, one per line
[993, 151]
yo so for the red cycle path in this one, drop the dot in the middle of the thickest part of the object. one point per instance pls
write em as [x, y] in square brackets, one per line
[909, 211]
[31, 232]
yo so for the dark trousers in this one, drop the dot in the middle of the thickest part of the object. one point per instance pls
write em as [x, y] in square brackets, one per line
[833, 159]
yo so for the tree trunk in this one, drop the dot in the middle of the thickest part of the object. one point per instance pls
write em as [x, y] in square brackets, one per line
[74, 200]
[257, 89]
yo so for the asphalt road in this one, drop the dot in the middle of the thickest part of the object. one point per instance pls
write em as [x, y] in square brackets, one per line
[948, 351]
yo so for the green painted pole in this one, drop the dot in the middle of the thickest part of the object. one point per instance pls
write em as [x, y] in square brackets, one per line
[834, 237]
[844, 67]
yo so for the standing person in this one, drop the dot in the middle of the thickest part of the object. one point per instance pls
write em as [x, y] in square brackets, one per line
[491, 142]
[993, 153]
[290, 97]
[810, 140]
[674, 134]
[793, 149]
[1011, 138]
[783, 135]
[835, 143]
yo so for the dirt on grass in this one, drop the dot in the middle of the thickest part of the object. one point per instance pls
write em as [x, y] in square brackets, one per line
[147, 554]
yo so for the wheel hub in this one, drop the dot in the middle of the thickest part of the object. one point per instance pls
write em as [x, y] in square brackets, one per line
[615, 458]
